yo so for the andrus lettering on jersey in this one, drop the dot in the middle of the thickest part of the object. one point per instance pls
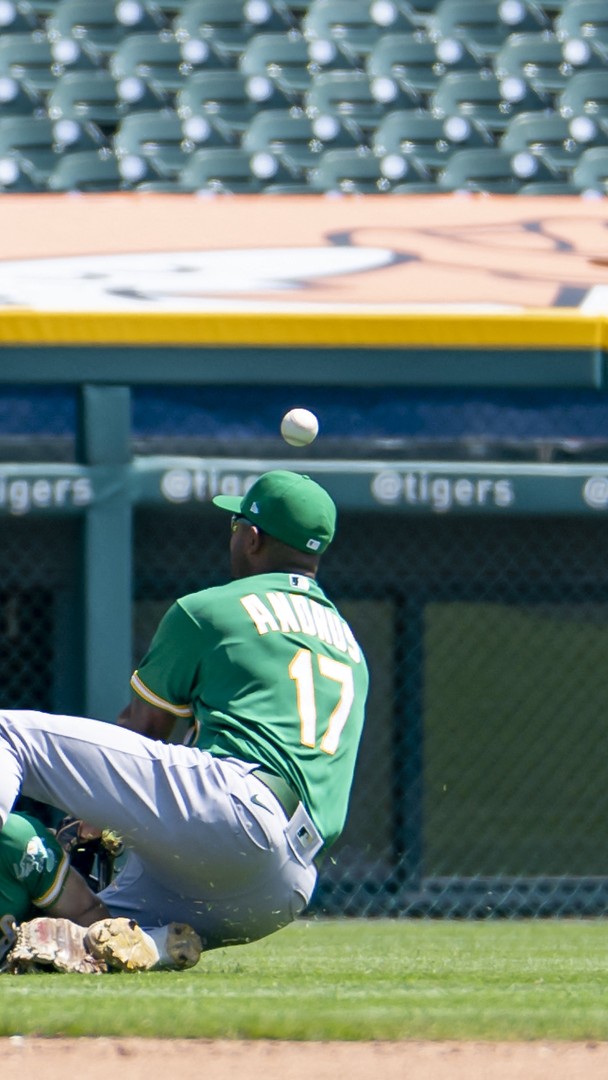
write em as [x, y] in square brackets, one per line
[291, 613]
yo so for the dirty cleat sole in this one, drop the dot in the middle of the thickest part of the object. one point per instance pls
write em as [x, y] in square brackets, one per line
[124, 946]
[179, 946]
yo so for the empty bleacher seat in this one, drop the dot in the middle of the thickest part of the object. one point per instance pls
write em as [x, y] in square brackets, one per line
[591, 171]
[89, 98]
[17, 18]
[488, 170]
[360, 103]
[228, 100]
[484, 26]
[91, 170]
[586, 94]
[484, 99]
[543, 61]
[226, 26]
[28, 60]
[225, 170]
[297, 140]
[284, 59]
[425, 139]
[555, 140]
[586, 23]
[157, 145]
[155, 62]
[351, 27]
[406, 60]
[356, 171]
[35, 144]
[13, 180]
[97, 27]
[549, 187]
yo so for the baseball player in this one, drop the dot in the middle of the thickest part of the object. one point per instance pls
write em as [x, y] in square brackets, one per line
[224, 835]
[36, 875]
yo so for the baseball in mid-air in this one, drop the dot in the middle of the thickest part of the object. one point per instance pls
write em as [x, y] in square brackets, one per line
[299, 427]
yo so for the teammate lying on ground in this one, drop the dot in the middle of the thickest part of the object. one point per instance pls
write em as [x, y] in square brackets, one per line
[38, 882]
[36, 876]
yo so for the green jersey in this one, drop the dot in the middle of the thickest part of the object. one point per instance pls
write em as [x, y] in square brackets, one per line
[33, 867]
[272, 674]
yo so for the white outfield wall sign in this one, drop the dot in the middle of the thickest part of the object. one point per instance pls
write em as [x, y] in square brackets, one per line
[410, 487]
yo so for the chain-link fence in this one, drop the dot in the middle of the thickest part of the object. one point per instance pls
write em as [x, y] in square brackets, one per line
[482, 783]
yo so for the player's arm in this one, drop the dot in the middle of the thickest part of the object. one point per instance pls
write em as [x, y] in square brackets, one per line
[76, 901]
[147, 719]
[164, 680]
[37, 871]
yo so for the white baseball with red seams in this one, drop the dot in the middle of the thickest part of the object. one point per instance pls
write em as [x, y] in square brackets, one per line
[299, 427]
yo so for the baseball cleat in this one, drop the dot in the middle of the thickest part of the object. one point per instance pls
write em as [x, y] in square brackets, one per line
[124, 946]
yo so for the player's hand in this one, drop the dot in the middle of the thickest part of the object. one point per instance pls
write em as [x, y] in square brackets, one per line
[73, 832]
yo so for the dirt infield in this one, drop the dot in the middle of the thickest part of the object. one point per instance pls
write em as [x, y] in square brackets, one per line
[24, 1058]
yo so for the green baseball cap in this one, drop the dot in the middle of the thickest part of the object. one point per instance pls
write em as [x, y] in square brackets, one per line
[289, 506]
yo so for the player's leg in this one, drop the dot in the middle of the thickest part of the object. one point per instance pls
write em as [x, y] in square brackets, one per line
[190, 817]
[99, 772]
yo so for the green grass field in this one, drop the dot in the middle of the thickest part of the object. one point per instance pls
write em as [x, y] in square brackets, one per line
[353, 980]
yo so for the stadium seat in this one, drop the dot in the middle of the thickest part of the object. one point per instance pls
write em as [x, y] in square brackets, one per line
[351, 27]
[415, 187]
[549, 187]
[479, 170]
[415, 63]
[584, 22]
[156, 63]
[35, 143]
[425, 138]
[90, 170]
[15, 102]
[484, 100]
[586, 95]
[542, 61]
[590, 173]
[296, 140]
[284, 59]
[294, 188]
[226, 26]
[93, 26]
[228, 170]
[356, 171]
[13, 180]
[28, 60]
[228, 100]
[484, 26]
[558, 142]
[90, 98]
[157, 145]
[360, 103]
[17, 18]
[97, 27]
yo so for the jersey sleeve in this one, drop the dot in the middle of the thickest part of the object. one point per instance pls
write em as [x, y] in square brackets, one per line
[32, 859]
[170, 669]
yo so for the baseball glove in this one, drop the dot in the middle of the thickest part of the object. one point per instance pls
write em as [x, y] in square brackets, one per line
[47, 944]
